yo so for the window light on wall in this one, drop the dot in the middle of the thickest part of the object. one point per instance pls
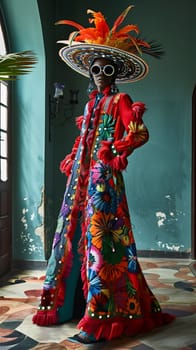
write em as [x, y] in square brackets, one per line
[3, 119]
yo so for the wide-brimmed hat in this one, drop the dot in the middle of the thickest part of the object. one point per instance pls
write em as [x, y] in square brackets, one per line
[126, 50]
[79, 56]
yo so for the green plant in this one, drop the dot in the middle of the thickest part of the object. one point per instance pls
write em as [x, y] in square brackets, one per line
[15, 64]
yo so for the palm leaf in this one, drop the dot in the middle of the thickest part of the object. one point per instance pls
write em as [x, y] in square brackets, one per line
[15, 64]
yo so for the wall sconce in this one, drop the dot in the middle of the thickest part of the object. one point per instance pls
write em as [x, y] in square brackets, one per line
[58, 92]
[56, 104]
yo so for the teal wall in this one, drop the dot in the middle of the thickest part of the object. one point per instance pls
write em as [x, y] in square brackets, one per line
[47, 10]
[158, 177]
[28, 132]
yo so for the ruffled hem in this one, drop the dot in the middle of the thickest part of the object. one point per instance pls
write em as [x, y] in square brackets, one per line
[45, 318]
[118, 326]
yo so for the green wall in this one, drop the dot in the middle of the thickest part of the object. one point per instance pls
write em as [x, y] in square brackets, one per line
[28, 132]
[158, 177]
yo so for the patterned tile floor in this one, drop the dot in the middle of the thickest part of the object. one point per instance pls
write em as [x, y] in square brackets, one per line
[172, 281]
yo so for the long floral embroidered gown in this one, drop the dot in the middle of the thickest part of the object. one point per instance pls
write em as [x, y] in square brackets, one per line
[118, 299]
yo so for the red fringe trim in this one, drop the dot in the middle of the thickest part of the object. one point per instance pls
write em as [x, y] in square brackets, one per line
[118, 326]
[84, 279]
[79, 121]
[50, 317]
[66, 165]
[45, 317]
[138, 109]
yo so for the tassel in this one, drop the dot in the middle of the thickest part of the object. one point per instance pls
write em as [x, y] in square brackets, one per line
[45, 317]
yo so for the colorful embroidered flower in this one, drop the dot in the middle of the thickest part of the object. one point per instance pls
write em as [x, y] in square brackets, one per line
[89, 239]
[118, 222]
[100, 172]
[99, 304]
[105, 199]
[91, 188]
[126, 236]
[90, 209]
[106, 128]
[101, 187]
[101, 227]
[110, 272]
[95, 259]
[94, 284]
[113, 251]
[138, 130]
[132, 258]
[133, 306]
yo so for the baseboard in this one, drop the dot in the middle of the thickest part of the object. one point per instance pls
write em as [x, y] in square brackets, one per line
[29, 264]
[4, 264]
[41, 265]
[163, 254]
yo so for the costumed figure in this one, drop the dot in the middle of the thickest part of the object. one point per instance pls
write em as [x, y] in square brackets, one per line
[118, 301]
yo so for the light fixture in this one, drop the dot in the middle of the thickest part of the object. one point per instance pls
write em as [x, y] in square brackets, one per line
[57, 97]
[57, 106]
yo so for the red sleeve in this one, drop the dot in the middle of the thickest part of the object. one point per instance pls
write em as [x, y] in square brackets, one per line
[131, 116]
[115, 153]
[125, 109]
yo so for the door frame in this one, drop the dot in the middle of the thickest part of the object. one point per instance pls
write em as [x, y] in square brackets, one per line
[193, 195]
[5, 187]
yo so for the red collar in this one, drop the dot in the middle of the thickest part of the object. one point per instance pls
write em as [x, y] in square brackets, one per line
[105, 92]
